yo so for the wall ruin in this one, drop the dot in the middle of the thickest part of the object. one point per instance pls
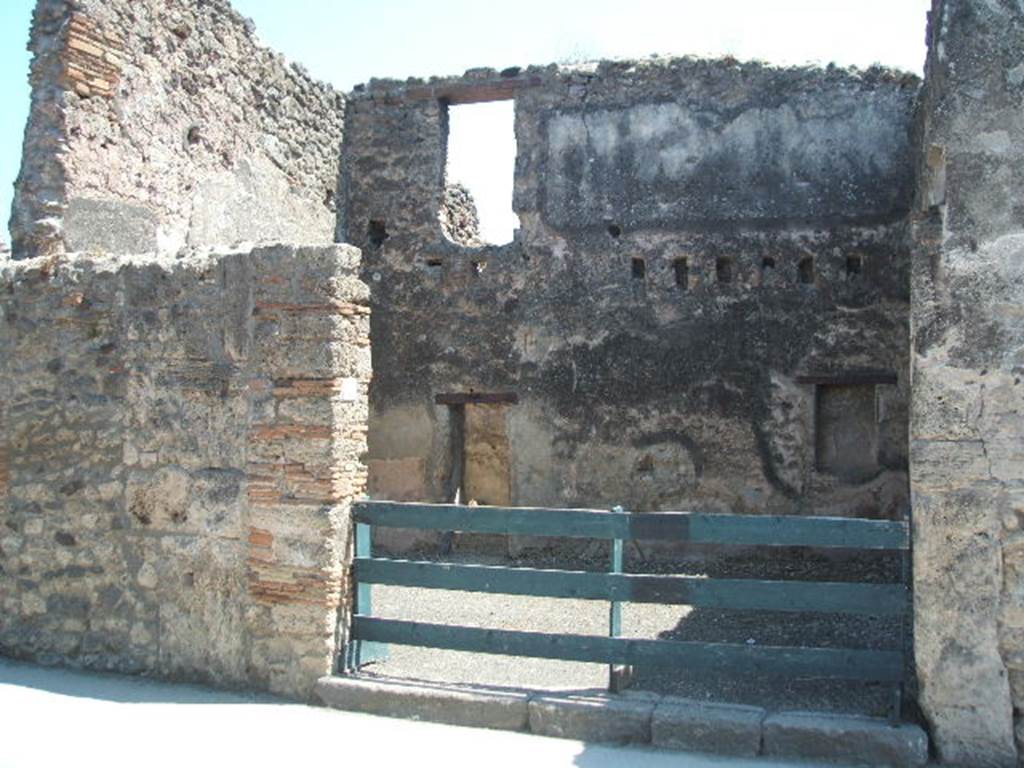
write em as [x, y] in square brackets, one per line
[157, 127]
[729, 291]
[967, 430]
[179, 441]
[704, 247]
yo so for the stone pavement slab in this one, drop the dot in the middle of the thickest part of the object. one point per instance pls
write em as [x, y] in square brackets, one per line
[722, 729]
[503, 710]
[638, 717]
[593, 717]
[845, 738]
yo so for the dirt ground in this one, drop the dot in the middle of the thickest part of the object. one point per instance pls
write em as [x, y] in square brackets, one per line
[654, 622]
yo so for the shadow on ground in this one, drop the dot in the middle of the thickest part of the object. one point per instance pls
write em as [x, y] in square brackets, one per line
[806, 629]
[112, 687]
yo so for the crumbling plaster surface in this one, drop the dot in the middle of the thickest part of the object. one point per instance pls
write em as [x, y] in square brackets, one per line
[691, 396]
[767, 154]
[179, 442]
[968, 398]
[157, 127]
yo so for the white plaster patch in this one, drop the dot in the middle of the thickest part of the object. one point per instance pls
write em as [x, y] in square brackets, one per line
[649, 122]
[349, 390]
[564, 132]
[675, 161]
[604, 136]
[994, 142]
[147, 577]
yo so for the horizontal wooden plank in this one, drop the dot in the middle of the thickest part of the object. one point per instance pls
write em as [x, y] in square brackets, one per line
[574, 523]
[476, 398]
[774, 530]
[764, 530]
[735, 594]
[471, 92]
[838, 663]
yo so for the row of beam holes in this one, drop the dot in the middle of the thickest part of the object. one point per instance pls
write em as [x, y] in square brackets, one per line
[725, 271]
[681, 268]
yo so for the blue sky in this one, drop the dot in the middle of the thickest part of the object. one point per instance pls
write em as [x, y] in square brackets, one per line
[15, 16]
[346, 42]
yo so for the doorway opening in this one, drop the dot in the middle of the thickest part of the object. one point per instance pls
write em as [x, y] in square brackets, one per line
[480, 452]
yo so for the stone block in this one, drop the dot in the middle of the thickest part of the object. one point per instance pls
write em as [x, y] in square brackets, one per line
[701, 727]
[948, 464]
[593, 718]
[844, 738]
[947, 403]
[296, 274]
[473, 707]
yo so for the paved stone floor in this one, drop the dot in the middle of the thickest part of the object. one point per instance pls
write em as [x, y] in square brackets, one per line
[52, 717]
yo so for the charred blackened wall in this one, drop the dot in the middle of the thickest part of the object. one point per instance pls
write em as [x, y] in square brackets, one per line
[706, 303]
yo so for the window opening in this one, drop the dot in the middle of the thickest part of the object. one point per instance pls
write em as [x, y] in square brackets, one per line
[479, 174]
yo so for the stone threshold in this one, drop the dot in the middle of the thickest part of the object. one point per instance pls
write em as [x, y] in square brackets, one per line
[637, 717]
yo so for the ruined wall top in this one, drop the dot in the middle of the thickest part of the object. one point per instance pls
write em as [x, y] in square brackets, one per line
[642, 78]
[699, 242]
[158, 127]
[678, 144]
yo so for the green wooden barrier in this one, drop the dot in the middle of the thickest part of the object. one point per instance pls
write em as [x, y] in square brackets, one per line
[734, 594]
[838, 663]
[370, 635]
[696, 527]
[364, 651]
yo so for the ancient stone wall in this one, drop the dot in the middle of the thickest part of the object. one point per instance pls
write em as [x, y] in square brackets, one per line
[157, 127]
[179, 442]
[967, 429]
[723, 295]
[459, 220]
[709, 287]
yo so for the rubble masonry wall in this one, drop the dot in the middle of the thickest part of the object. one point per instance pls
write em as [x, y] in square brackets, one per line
[179, 443]
[159, 127]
